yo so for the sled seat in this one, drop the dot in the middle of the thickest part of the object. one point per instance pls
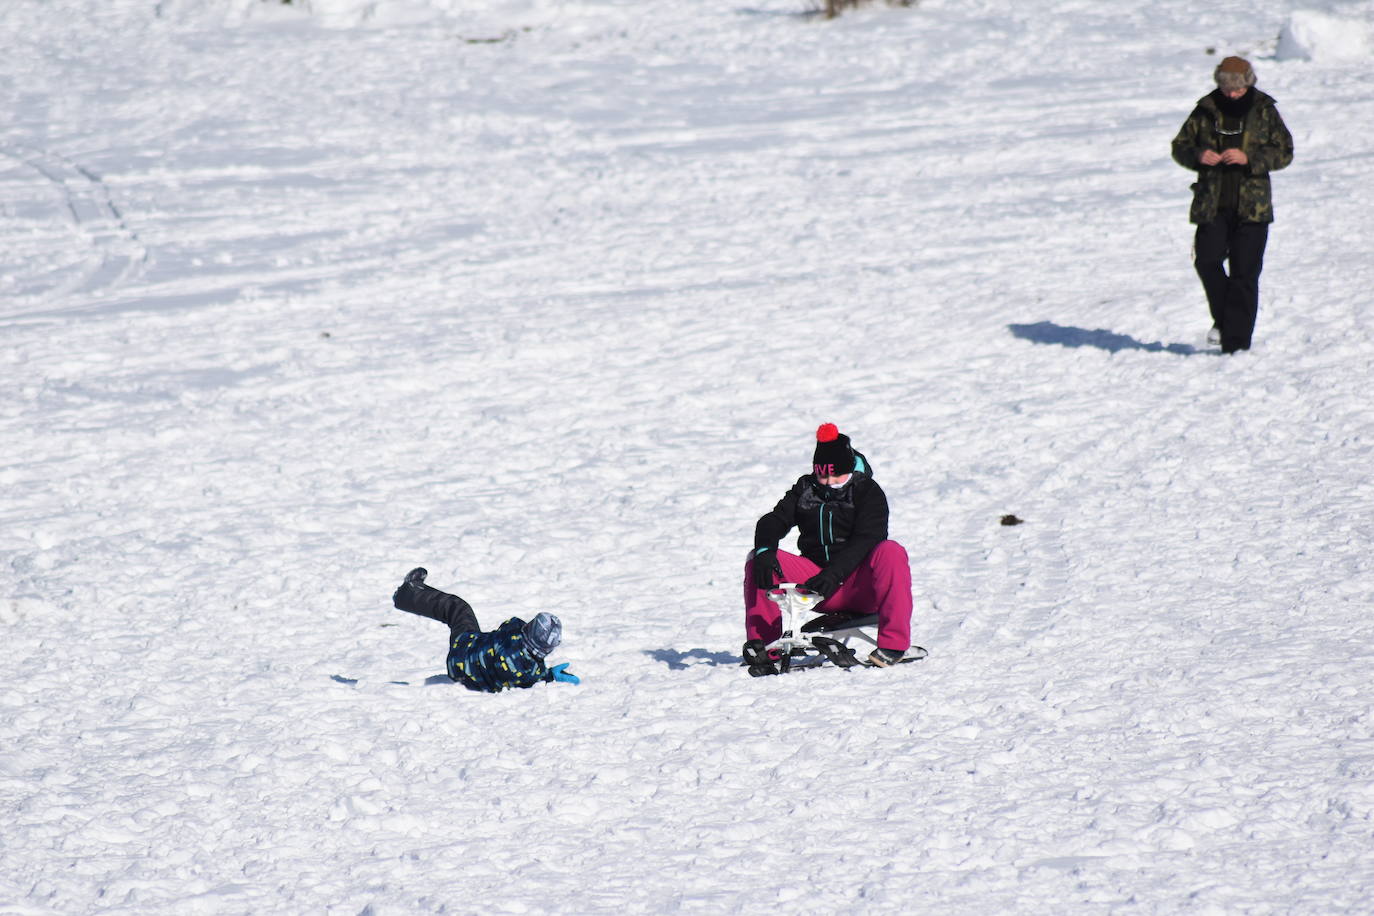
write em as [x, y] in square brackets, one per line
[835, 623]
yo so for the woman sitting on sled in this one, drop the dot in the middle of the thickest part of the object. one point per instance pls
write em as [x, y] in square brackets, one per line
[840, 514]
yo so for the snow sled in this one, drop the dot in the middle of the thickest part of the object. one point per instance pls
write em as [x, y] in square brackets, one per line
[811, 637]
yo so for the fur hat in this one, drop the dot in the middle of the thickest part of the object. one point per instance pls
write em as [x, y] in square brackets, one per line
[1234, 73]
[543, 634]
[834, 455]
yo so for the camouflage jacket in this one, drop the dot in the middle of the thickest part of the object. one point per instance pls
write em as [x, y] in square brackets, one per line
[1266, 142]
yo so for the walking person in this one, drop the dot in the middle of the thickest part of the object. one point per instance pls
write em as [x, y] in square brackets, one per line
[1233, 139]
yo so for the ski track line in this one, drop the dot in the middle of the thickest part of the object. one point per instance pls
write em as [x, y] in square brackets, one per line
[1019, 578]
[118, 256]
[1017, 573]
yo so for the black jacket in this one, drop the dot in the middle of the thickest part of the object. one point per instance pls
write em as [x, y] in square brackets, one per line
[836, 529]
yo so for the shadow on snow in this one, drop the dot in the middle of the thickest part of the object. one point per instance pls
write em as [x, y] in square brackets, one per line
[1047, 332]
[430, 681]
[681, 661]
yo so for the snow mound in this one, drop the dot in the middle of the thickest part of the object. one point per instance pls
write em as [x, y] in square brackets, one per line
[1321, 36]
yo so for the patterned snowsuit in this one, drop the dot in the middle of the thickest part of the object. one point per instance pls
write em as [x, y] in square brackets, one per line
[495, 661]
[491, 661]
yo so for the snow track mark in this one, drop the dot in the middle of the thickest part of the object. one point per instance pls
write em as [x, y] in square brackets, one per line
[110, 253]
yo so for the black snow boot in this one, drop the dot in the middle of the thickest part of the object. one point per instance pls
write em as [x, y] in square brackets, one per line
[425, 600]
[757, 658]
[405, 595]
[885, 658]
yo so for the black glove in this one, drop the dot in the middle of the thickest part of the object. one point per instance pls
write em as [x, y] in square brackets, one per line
[823, 583]
[766, 566]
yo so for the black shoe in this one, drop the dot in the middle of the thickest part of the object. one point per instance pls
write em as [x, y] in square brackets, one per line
[413, 580]
[757, 658]
[885, 658]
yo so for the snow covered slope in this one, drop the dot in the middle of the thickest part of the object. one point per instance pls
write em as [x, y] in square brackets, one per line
[549, 296]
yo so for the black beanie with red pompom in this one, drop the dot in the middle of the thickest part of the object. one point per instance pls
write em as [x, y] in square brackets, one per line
[834, 455]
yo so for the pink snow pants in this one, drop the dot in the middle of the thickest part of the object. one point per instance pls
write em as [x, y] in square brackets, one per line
[881, 585]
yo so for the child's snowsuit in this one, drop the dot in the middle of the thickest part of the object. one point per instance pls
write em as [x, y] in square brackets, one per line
[489, 662]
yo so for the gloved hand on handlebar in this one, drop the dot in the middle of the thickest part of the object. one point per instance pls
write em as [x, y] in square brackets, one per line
[824, 583]
[766, 567]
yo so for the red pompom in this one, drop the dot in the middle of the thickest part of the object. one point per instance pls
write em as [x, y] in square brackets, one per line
[828, 432]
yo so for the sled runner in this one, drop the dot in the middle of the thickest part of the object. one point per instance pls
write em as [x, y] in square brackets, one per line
[811, 638]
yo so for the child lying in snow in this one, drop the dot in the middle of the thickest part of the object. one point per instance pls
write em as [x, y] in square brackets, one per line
[512, 655]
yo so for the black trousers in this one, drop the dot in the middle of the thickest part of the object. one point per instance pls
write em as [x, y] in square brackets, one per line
[430, 602]
[1233, 296]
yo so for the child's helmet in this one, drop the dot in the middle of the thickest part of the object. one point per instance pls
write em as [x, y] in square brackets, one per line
[543, 634]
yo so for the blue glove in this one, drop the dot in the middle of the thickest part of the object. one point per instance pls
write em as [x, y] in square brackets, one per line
[561, 673]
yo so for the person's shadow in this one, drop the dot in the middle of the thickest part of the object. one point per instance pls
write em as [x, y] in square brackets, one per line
[681, 661]
[1047, 332]
[430, 681]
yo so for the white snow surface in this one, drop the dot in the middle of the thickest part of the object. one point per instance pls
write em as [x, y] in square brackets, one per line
[1328, 35]
[549, 297]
